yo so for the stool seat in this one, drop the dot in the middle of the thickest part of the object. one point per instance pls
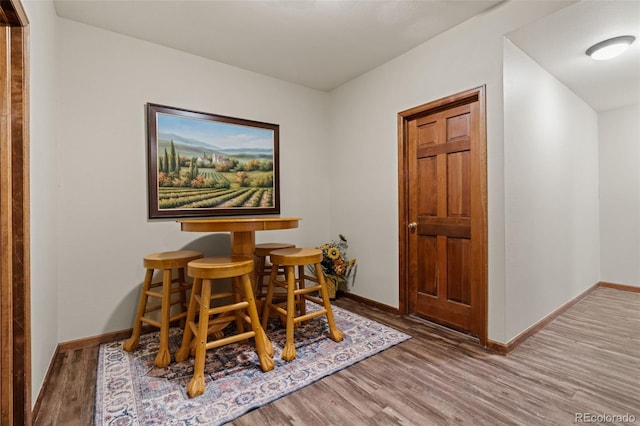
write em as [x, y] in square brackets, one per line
[292, 259]
[167, 261]
[170, 259]
[204, 319]
[265, 249]
[220, 267]
[296, 256]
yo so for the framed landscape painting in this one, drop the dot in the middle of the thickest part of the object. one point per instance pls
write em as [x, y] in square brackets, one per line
[202, 164]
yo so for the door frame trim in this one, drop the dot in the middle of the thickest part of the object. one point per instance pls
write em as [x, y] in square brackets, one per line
[15, 309]
[479, 213]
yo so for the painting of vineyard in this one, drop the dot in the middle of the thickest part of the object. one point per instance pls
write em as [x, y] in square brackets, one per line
[204, 165]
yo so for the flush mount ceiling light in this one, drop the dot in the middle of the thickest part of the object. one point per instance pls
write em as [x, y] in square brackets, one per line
[609, 48]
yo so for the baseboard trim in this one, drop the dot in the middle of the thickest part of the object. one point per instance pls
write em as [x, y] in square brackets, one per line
[623, 287]
[505, 348]
[72, 345]
[86, 342]
[497, 347]
[45, 385]
[101, 338]
[123, 334]
[372, 303]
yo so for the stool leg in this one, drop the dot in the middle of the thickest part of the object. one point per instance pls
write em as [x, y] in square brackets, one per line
[335, 334]
[266, 310]
[259, 277]
[182, 282]
[289, 350]
[196, 385]
[264, 348]
[183, 353]
[163, 358]
[301, 302]
[238, 291]
[134, 340]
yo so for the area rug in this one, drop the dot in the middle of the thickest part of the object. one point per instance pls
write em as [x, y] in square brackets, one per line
[130, 390]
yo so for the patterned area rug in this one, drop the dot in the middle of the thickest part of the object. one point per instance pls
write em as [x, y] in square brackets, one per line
[131, 391]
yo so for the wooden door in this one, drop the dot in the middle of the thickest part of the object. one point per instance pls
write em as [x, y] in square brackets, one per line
[444, 213]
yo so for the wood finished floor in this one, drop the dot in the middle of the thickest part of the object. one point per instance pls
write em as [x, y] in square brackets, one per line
[586, 361]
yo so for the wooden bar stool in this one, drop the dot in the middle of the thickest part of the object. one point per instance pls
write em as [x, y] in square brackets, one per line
[167, 261]
[298, 292]
[263, 269]
[211, 320]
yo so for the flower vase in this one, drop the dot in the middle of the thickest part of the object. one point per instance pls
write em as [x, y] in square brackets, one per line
[331, 287]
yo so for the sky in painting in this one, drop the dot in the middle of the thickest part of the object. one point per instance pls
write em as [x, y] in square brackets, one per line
[222, 135]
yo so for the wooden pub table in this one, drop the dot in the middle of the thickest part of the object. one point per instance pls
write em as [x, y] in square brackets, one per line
[242, 230]
[243, 243]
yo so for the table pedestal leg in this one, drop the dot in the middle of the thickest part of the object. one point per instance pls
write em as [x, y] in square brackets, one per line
[243, 243]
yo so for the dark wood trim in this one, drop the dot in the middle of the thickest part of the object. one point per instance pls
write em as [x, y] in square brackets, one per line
[12, 13]
[6, 237]
[46, 384]
[481, 217]
[21, 218]
[623, 287]
[497, 347]
[442, 104]
[73, 345]
[86, 342]
[403, 222]
[15, 309]
[372, 303]
[505, 348]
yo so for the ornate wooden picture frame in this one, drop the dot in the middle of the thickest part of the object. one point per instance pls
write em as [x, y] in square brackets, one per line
[202, 165]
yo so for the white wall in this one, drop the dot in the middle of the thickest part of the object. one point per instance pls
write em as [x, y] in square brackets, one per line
[340, 147]
[619, 131]
[105, 81]
[364, 185]
[551, 192]
[43, 186]
[338, 162]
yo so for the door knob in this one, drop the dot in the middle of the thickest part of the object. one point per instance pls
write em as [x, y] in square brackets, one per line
[413, 226]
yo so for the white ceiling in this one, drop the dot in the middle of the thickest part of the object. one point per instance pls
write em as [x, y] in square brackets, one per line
[318, 44]
[325, 43]
[558, 42]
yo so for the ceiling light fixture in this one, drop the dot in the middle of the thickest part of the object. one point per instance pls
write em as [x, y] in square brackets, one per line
[609, 48]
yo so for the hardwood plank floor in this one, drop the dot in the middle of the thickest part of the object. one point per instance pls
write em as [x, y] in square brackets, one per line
[586, 361]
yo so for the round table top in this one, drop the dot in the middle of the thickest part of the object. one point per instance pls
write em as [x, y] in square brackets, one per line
[238, 224]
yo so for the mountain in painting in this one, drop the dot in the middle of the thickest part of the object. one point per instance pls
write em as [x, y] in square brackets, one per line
[193, 148]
